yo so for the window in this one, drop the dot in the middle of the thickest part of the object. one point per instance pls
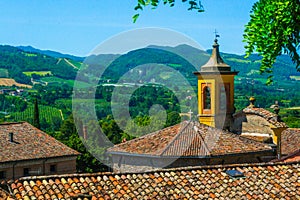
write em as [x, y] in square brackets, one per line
[2, 175]
[26, 171]
[206, 98]
[224, 96]
[52, 168]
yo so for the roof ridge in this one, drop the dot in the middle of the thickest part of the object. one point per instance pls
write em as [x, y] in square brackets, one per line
[11, 123]
[203, 139]
[139, 138]
[177, 135]
[272, 118]
[188, 168]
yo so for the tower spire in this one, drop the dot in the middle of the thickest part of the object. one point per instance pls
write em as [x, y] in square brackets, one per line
[215, 63]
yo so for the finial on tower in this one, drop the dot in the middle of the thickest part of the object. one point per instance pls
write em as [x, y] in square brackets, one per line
[216, 35]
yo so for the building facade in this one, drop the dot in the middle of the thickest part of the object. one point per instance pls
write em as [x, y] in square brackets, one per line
[28, 151]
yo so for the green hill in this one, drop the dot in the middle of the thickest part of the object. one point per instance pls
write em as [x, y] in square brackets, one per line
[50, 53]
[15, 61]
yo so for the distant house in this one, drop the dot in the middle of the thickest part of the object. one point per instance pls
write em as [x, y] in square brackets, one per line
[27, 151]
[267, 127]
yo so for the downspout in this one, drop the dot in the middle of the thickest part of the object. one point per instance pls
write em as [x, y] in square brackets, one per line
[279, 146]
[278, 133]
[14, 164]
[44, 166]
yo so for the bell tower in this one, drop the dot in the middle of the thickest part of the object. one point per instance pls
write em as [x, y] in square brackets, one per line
[216, 91]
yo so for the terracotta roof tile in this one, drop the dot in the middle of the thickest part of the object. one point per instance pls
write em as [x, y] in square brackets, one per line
[264, 139]
[269, 116]
[190, 139]
[290, 140]
[262, 181]
[29, 143]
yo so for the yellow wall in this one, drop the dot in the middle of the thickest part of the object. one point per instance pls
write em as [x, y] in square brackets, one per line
[215, 80]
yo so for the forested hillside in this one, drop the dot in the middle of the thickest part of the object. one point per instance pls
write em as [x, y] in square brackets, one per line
[15, 61]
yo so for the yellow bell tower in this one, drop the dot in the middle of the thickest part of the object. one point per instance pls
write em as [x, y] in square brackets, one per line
[216, 91]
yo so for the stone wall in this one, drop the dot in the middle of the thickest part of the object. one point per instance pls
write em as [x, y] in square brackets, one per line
[142, 164]
[63, 165]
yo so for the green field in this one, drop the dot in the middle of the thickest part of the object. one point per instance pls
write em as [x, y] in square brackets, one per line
[47, 113]
[297, 78]
[174, 65]
[238, 60]
[55, 80]
[252, 71]
[29, 54]
[294, 108]
[40, 73]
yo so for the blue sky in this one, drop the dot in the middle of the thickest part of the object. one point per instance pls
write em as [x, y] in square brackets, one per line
[77, 27]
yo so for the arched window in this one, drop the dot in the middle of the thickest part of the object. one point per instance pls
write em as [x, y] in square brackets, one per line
[224, 96]
[206, 98]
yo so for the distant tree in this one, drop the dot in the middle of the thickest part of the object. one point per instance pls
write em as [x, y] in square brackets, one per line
[86, 162]
[173, 118]
[36, 115]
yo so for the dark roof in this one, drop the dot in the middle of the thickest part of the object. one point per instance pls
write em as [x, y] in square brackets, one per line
[272, 118]
[290, 140]
[29, 143]
[215, 62]
[190, 139]
[258, 181]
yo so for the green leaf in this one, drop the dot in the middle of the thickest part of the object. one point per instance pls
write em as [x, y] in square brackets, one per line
[138, 7]
[135, 17]
[142, 2]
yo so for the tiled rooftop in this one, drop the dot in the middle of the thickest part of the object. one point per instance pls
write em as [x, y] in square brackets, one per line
[190, 139]
[259, 181]
[292, 157]
[3, 194]
[290, 140]
[269, 116]
[264, 139]
[29, 143]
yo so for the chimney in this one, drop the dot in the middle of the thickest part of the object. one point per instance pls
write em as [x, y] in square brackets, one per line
[11, 137]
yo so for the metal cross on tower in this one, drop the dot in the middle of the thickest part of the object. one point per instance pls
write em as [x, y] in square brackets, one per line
[216, 34]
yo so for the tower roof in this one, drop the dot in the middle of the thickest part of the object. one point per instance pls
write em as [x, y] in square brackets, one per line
[215, 63]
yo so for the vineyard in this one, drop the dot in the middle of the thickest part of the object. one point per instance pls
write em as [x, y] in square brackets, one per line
[47, 113]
